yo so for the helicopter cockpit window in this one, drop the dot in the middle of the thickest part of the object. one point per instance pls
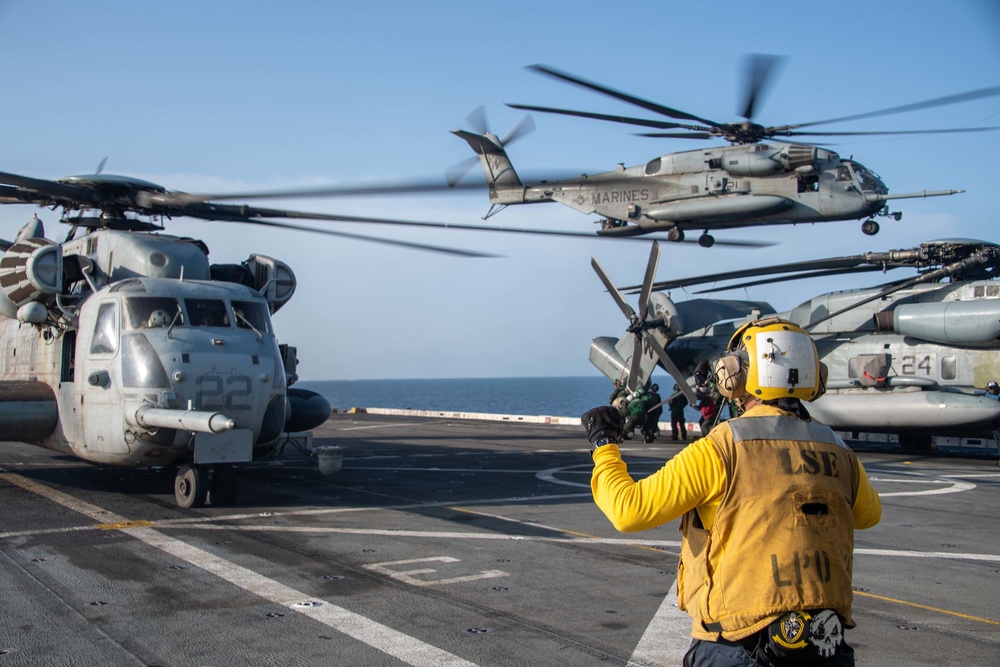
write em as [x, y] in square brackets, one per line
[868, 181]
[843, 174]
[152, 312]
[207, 312]
[252, 315]
[105, 339]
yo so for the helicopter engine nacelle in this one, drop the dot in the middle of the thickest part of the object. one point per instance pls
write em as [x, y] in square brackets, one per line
[273, 279]
[752, 164]
[30, 272]
[973, 323]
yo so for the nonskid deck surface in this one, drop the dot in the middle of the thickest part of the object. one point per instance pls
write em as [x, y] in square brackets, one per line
[440, 542]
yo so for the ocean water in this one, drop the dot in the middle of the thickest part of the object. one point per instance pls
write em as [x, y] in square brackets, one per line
[552, 396]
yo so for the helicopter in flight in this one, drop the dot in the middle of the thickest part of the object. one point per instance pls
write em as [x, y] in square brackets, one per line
[908, 358]
[757, 180]
[126, 346]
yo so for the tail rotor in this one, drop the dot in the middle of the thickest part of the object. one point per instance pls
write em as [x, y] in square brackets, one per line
[480, 126]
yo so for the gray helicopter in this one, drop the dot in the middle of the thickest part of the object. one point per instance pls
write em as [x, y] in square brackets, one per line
[908, 358]
[754, 181]
[125, 346]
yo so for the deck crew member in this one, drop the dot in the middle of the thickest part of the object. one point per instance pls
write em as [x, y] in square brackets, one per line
[769, 504]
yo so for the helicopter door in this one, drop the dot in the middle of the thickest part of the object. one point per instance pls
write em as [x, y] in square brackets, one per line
[101, 400]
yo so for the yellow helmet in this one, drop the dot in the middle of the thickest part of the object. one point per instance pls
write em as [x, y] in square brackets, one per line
[770, 359]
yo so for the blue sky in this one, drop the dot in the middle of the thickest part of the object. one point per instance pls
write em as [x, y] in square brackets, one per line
[226, 95]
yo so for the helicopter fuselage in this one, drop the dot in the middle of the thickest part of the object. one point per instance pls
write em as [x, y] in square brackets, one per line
[717, 188]
[933, 346]
[197, 347]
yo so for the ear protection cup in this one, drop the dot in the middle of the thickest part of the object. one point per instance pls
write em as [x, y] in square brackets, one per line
[731, 374]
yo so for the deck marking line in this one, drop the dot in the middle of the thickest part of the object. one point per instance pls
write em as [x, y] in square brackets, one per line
[381, 637]
[928, 608]
[667, 637]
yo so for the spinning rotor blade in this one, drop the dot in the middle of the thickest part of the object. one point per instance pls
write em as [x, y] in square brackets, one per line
[405, 187]
[522, 128]
[916, 106]
[662, 124]
[207, 211]
[624, 97]
[676, 135]
[477, 120]
[760, 70]
[361, 237]
[859, 134]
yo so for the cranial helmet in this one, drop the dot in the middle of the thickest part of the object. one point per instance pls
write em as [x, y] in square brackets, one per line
[771, 359]
[158, 318]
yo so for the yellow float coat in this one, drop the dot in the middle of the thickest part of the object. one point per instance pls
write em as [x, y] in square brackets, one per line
[771, 504]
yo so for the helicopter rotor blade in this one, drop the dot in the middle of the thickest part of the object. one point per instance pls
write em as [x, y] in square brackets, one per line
[760, 72]
[100, 165]
[798, 276]
[522, 128]
[457, 171]
[50, 188]
[628, 120]
[362, 237]
[615, 294]
[624, 97]
[647, 280]
[954, 130]
[829, 263]
[673, 371]
[238, 212]
[477, 120]
[635, 365]
[676, 135]
[979, 258]
[916, 106]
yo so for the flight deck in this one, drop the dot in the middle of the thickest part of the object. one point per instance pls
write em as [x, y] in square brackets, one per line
[441, 541]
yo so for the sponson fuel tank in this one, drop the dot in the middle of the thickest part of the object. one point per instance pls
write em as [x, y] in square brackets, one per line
[974, 323]
[28, 411]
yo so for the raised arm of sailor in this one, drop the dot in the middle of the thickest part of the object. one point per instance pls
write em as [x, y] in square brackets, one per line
[693, 478]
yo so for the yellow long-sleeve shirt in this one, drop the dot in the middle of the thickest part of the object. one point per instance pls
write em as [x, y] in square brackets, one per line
[695, 478]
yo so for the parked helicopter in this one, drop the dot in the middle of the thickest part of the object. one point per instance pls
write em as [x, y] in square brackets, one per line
[754, 181]
[904, 358]
[122, 345]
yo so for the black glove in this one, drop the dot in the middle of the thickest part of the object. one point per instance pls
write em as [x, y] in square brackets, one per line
[603, 422]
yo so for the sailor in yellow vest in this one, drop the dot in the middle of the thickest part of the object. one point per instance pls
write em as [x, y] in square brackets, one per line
[769, 503]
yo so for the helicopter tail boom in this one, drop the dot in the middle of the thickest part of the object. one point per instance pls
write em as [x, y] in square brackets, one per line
[505, 185]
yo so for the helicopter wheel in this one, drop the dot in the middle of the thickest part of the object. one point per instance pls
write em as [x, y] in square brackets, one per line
[869, 227]
[191, 486]
[222, 486]
[675, 234]
[706, 240]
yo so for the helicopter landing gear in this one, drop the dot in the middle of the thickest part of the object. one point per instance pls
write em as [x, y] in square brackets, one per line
[869, 227]
[706, 240]
[675, 234]
[191, 486]
[222, 486]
